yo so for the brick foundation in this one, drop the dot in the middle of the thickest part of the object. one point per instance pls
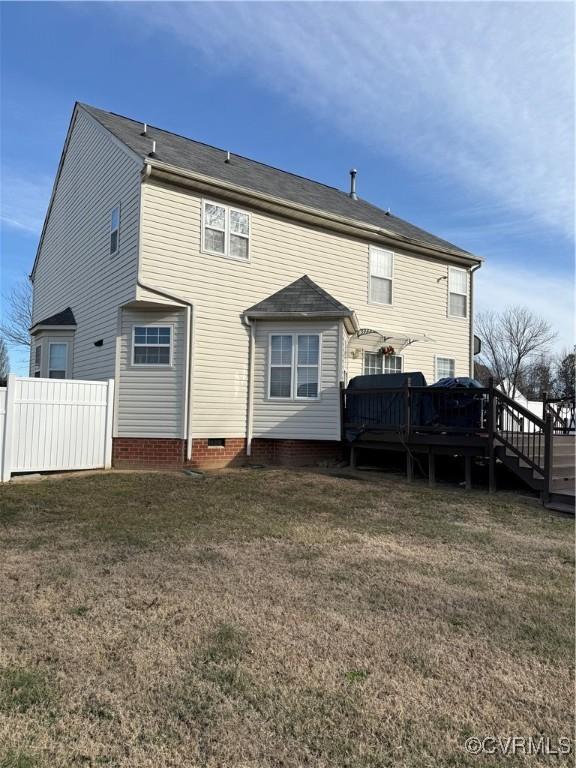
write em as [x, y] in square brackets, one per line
[168, 453]
[153, 452]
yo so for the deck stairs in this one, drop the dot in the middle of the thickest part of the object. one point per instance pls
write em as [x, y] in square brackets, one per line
[563, 473]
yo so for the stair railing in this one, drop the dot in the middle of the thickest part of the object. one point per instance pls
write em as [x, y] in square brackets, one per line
[562, 411]
[521, 432]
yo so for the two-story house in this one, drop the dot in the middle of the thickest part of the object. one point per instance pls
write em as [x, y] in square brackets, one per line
[229, 299]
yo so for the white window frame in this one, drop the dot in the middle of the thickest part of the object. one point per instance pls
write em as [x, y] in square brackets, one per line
[117, 230]
[294, 366]
[227, 232]
[459, 293]
[67, 366]
[37, 360]
[152, 365]
[443, 357]
[371, 250]
[382, 358]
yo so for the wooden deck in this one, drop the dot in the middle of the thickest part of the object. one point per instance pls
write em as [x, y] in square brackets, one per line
[490, 425]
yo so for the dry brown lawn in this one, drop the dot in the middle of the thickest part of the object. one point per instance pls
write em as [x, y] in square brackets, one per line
[275, 618]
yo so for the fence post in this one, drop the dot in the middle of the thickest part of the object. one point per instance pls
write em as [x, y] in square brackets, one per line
[109, 423]
[491, 436]
[8, 428]
[548, 433]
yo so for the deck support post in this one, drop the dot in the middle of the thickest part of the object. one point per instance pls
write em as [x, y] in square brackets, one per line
[353, 457]
[548, 447]
[492, 421]
[468, 472]
[409, 466]
[431, 469]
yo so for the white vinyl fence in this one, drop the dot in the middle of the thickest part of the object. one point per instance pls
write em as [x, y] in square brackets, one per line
[55, 424]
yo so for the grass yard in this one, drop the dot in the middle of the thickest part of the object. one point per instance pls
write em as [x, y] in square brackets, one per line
[263, 618]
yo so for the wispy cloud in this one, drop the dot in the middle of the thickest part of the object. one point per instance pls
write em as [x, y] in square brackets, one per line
[478, 93]
[548, 295]
[24, 201]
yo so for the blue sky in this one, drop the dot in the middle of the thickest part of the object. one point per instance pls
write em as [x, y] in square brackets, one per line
[458, 116]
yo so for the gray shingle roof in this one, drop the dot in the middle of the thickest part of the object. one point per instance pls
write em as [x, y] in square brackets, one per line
[66, 317]
[302, 296]
[202, 158]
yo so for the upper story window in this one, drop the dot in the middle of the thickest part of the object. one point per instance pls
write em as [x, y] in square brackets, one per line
[376, 362]
[457, 292]
[114, 230]
[381, 275]
[445, 367]
[152, 345]
[225, 231]
[294, 366]
[57, 360]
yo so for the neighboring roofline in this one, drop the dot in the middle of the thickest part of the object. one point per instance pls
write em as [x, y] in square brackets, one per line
[177, 175]
[121, 144]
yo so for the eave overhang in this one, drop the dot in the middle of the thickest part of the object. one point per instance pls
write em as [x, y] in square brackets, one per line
[209, 185]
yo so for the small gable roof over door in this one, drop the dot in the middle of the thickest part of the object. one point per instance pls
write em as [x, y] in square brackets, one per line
[301, 299]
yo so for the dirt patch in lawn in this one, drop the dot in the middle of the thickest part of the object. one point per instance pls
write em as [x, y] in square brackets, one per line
[275, 618]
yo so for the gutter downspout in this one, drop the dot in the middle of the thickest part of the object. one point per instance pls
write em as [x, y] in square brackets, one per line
[472, 270]
[191, 328]
[250, 409]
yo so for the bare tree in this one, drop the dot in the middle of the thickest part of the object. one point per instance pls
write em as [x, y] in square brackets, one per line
[4, 362]
[18, 314]
[566, 375]
[510, 339]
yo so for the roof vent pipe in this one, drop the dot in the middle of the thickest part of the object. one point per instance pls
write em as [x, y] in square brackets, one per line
[353, 194]
[145, 131]
[153, 153]
[227, 157]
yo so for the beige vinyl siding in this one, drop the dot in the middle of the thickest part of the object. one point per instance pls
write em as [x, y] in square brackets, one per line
[151, 398]
[75, 268]
[298, 419]
[281, 251]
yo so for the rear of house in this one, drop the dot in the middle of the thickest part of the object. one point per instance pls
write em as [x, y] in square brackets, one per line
[228, 299]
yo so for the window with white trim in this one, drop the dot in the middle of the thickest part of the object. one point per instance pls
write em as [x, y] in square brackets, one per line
[57, 360]
[37, 360]
[115, 230]
[376, 362]
[225, 231]
[457, 292]
[152, 345]
[294, 366]
[445, 367]
[381, 273]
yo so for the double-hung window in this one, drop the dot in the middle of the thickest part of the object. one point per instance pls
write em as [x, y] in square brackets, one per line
[152, 345]
[445, 368]
[225, 231]
[294, 366]
[57, 360]
[381, 274]
[376, 362]
[457, 292]
[115, 230]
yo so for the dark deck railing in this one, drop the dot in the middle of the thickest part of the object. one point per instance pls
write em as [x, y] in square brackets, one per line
[562, 411]
[484, 413]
